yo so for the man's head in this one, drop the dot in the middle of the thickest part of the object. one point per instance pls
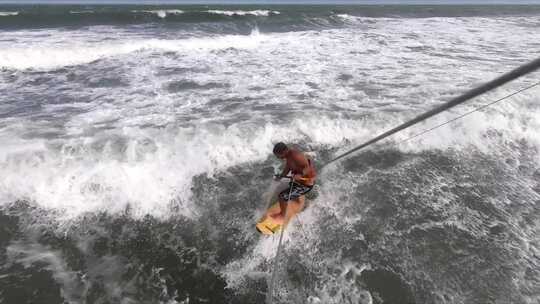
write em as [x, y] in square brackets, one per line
[280, 150]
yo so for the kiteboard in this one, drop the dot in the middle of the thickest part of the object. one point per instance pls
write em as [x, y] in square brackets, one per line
[268, 225]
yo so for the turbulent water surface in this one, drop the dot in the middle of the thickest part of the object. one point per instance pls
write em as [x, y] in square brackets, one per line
[136, 156]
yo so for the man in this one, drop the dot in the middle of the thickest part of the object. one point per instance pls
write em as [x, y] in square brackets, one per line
[291, 200]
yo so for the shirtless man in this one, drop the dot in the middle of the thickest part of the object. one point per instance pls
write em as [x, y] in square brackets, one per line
[302, 182]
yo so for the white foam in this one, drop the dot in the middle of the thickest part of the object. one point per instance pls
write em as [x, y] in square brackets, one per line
[347, 17]
[100, 173]
[4, 14]
[28, 255]
[338, 114]
[52, 56]
[344, 287]
[82, 12]
[145, 170]
[244, 13]
[146, 158]
[162, 13]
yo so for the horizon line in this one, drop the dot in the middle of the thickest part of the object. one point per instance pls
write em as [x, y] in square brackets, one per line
[269, 2]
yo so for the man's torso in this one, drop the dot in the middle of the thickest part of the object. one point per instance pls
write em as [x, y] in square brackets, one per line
[294, 161]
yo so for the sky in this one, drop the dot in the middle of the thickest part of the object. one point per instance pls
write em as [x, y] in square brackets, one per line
[277, 1]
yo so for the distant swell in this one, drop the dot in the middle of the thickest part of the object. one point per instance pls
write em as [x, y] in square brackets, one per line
[266, 17]
[116, 16]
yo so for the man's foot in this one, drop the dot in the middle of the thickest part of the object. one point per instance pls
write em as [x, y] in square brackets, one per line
[278, 218]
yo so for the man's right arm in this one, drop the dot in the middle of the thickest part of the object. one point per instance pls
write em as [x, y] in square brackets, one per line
[286, 170]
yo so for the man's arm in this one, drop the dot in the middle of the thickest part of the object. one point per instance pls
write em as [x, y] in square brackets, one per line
[286, 169]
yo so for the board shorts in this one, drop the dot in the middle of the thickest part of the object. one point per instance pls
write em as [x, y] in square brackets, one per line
[295, 190]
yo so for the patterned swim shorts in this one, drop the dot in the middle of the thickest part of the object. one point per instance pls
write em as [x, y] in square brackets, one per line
[295, 190]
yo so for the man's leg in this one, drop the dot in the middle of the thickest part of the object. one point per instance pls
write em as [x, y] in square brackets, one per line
[283, 203]
[289, 209]
[280, 217]
[294, 207]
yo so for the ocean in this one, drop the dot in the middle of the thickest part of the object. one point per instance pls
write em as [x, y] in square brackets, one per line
[136, 154]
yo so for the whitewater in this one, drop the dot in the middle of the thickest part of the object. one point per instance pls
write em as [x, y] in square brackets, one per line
[136, 155]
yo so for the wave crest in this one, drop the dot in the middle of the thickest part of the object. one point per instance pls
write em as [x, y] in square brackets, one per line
[265, 13]
[162, 13]
[5, 14]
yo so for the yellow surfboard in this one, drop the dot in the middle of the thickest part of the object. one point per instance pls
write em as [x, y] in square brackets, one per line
[268, 225]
